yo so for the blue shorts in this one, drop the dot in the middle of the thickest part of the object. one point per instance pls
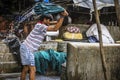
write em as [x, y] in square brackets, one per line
[27, 57]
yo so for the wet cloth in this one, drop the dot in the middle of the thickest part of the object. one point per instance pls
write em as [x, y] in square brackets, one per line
[47, 8]
[42, 8]
[52, 57]
[27, 57]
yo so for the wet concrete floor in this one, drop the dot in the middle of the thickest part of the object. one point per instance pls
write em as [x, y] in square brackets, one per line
[38, 77]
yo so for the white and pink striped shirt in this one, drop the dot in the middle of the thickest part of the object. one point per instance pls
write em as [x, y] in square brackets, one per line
[36, 37]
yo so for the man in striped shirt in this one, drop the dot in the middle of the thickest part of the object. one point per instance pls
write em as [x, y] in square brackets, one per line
[33, 41]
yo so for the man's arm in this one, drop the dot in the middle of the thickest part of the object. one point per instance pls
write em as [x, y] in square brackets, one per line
[59, 22]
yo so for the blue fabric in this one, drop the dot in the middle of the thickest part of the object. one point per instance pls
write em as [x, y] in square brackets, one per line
[92, 39]
[41, 8]
[41, 61]
[52, 57]
[46, 1]
[47, 8]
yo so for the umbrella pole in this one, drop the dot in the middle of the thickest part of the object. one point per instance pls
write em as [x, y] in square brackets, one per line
[100, 39]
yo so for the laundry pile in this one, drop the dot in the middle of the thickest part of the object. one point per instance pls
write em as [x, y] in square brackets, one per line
[92, 34]
[72, 32]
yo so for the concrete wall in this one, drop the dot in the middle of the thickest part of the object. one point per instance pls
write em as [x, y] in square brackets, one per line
[84, 61]
[8, 62]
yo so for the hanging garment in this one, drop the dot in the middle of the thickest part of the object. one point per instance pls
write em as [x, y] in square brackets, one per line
[52, 57]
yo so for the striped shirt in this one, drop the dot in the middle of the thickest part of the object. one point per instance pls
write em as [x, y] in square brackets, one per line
[36, 37]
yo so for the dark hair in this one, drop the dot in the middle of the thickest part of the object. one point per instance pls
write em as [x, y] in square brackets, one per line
[47, 16]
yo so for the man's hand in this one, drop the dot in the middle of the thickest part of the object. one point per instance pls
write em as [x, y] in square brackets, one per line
[59, 22]
[65, 13]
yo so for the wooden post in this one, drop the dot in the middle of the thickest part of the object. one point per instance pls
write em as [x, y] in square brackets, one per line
[100, 39]
[117, 8]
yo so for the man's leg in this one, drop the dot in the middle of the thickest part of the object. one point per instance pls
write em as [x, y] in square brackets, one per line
[32, 72]
[24, 72]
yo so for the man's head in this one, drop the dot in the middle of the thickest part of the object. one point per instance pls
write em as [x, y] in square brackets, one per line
[46, 18]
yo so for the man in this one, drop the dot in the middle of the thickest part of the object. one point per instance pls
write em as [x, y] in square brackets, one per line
[32, 43]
